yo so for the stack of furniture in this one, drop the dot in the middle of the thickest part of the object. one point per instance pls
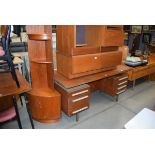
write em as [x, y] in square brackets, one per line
[44, 99]
[88, 55]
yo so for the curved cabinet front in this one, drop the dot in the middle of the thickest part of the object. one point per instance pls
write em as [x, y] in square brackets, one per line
[45, 105]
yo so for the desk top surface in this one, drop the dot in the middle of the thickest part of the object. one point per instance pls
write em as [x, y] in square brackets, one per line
[8, 85]
[69, 83]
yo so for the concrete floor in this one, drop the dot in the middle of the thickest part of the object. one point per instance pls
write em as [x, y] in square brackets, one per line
[104, 112]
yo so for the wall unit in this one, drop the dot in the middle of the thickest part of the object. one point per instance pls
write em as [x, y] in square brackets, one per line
[44, 99]
[84, 50]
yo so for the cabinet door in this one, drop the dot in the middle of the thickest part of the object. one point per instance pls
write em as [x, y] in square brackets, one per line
[111, 59]
[85, 63]
[113, 36]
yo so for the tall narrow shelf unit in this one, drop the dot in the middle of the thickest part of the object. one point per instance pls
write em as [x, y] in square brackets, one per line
[84, 50]
[44, 99]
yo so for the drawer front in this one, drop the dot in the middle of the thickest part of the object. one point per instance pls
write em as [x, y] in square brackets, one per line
[85, 63]
[78, 93]
[141, 73]
[118, 92]
[111, 59]
[121, 79]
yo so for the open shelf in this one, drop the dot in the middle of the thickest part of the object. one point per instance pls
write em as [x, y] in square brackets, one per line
[39, 37]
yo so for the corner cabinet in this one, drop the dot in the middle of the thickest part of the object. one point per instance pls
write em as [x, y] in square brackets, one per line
[44, 99]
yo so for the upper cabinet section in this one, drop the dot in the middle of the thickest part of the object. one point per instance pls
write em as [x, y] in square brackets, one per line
[87, 39]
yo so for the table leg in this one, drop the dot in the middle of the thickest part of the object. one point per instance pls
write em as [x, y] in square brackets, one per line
[29, 112]
[17, 112]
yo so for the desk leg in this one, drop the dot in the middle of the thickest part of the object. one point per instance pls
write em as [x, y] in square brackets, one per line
[133, 84]
[29, 112]
[77, 117]
[117, 98]
[17, 112]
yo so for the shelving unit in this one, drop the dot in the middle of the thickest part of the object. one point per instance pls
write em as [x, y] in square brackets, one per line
[44, 99]
[87, 49]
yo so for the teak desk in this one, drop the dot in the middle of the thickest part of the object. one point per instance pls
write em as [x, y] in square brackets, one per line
[69, 83]
[8, 88]
[75, 93]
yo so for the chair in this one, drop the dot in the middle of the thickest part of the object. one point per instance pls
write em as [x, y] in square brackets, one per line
[5, 53]
[8, 114]
[11, 113]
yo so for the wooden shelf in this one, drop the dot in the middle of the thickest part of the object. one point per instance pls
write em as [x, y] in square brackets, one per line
[39, 37]
[41, 61]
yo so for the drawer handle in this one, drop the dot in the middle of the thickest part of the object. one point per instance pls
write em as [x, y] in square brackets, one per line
[121, 92]
[95, 58]
[122, 83]
[79, 99]
[123, 78]
[81, 92]
[74, 112]
[121, 87]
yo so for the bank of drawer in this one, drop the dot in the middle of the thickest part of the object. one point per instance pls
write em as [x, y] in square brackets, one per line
[85, 63]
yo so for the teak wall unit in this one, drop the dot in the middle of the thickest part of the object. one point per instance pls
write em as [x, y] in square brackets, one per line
[44, 99]
[96, 51]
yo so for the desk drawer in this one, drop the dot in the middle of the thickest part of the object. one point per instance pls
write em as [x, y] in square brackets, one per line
[140, 73]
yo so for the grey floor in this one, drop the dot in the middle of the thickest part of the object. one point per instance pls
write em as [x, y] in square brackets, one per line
[104, 112]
